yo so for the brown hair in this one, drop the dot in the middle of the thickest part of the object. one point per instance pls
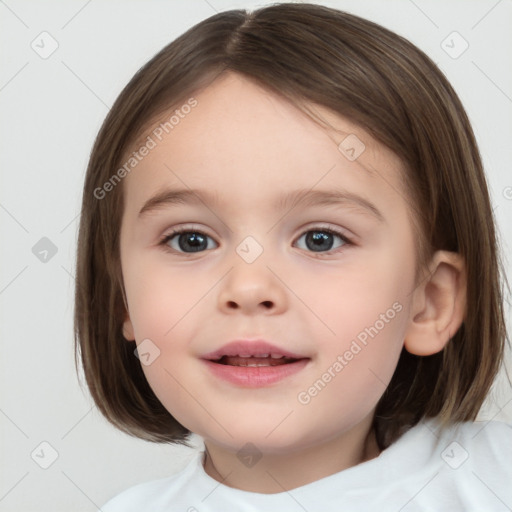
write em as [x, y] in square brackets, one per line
[379, 81]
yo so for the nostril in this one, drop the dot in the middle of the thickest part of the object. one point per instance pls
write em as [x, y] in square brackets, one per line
[234, 305]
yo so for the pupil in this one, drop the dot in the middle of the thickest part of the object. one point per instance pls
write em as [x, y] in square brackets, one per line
[320, 241]
[193, 241]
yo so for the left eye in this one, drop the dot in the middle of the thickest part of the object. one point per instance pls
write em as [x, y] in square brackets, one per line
[196, 241]
[322, 240]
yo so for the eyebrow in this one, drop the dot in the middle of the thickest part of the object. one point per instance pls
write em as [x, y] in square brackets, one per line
[302, 197]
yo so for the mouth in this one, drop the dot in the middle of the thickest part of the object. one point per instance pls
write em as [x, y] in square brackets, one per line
[253, 364]
[258, 360]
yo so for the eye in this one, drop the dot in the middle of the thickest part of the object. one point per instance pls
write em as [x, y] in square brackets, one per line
[186, 240]
[323, 240]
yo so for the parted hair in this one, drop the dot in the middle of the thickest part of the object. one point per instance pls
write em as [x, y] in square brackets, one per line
[309, 55]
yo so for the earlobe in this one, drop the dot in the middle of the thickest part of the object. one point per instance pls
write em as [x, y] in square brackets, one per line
[128, 332]
[438, 305]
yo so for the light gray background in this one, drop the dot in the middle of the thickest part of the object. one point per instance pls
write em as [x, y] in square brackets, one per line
[51, 110]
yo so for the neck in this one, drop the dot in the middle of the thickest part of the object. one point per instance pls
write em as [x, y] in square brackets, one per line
[274, 473]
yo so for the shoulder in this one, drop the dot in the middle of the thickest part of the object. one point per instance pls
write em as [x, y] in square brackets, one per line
[487, 446]
[475, 445]
[478, 438]
[154, 495]
[468, 467]
[482, 440]
[462, 466]
[138, 496]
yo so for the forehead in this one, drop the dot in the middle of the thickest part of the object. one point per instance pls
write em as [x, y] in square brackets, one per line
[242, 139]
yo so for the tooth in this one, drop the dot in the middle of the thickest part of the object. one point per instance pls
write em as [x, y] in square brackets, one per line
[276, 356]
[251, 355]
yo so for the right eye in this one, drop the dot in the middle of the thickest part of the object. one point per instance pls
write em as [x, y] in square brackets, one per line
[186, 241]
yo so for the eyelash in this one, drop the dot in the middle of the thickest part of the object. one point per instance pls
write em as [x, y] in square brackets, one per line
[178, 231]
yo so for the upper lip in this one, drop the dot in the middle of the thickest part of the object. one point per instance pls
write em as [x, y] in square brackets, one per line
[248, 348]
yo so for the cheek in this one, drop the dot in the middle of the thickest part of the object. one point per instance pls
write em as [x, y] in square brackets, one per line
[178, 393]
[163, 310]
[366, 293]
[355, 367]
[364, 309]
[160, 298]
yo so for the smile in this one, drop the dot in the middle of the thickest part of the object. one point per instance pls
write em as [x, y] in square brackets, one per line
[253, 363]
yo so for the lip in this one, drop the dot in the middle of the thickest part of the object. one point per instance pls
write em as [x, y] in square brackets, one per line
[253, 376]
[250, 348]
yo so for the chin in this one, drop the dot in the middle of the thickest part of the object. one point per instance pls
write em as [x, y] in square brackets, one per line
[264, 438]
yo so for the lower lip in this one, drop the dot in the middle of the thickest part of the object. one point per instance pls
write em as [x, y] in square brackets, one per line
[255, 376]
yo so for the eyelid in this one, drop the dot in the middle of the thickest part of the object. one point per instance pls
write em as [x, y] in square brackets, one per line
[325, 226]
[343, 234]
[183, 229]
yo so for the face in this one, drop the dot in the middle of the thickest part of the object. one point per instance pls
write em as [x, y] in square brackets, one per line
[324, 277]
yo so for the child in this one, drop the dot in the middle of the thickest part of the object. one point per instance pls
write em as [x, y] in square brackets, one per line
[287, 247]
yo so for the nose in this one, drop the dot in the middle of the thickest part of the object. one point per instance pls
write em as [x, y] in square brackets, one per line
[252, 289]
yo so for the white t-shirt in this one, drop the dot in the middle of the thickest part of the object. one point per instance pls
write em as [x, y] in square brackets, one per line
[464, 468]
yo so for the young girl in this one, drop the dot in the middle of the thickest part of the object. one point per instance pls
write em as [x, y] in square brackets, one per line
[287, 247]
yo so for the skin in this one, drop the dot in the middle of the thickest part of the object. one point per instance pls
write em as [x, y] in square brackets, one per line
[250, 147]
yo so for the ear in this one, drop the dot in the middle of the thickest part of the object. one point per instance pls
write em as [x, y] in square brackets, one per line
[128, 331]
[438, 305]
